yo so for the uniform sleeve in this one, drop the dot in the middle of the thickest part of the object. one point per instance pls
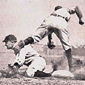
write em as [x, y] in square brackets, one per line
[71, 11]
[53, 13]
[20, 58]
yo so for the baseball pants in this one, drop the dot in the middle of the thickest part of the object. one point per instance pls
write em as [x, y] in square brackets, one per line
[57, 25]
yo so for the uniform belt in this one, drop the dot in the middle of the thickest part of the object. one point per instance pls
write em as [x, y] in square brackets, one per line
[60, 16]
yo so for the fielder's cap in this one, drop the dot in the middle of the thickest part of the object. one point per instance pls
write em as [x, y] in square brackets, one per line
[10, 38]
[57, 7]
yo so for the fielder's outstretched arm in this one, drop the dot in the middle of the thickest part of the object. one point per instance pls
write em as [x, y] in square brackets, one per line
[78, 13]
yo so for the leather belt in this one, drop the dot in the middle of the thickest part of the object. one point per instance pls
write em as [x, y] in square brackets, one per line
[60, 16]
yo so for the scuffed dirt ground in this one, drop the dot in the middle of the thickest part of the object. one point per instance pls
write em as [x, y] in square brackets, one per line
[78, 68]
[19, 79]
[39, 81]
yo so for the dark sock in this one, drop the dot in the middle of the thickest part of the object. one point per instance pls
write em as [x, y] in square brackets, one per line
[69, 57]
[42, 74]
[29, 40]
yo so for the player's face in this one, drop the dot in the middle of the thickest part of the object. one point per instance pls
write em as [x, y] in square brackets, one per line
[9, 44]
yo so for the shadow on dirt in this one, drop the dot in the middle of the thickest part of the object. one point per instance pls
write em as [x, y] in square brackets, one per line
[80, 51]
[77, 76]
[4, 74]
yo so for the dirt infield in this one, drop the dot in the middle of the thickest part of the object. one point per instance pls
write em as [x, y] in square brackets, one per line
[19, 79]
[21, 18]
[39, 81]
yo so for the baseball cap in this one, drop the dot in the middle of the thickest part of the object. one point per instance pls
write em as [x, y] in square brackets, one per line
[10, 38]
[57, 7]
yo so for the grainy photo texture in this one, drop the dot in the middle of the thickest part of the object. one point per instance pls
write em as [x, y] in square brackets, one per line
[42, 42]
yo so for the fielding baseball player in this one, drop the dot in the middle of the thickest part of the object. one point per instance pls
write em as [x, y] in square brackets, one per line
[57, 22]
[27, 56]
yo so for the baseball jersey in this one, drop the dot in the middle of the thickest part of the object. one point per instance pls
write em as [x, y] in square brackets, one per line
[24, 55]
[63, 12]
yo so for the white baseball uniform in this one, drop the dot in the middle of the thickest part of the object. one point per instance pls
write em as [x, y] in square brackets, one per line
[28, 56]
[57, 22]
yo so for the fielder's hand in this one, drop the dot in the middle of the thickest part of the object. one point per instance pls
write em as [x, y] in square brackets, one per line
[51, 45]
[8, 72]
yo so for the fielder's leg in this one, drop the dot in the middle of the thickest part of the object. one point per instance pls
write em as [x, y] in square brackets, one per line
[38, 64]
[40, 33]
[64, 38]
[69, 57]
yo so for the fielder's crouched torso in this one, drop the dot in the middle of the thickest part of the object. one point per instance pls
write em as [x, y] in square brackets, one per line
[28, 56]
[58, 19]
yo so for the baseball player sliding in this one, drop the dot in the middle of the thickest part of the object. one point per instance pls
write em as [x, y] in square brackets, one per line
[56, 23]
[27, 56]
[34, 62]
